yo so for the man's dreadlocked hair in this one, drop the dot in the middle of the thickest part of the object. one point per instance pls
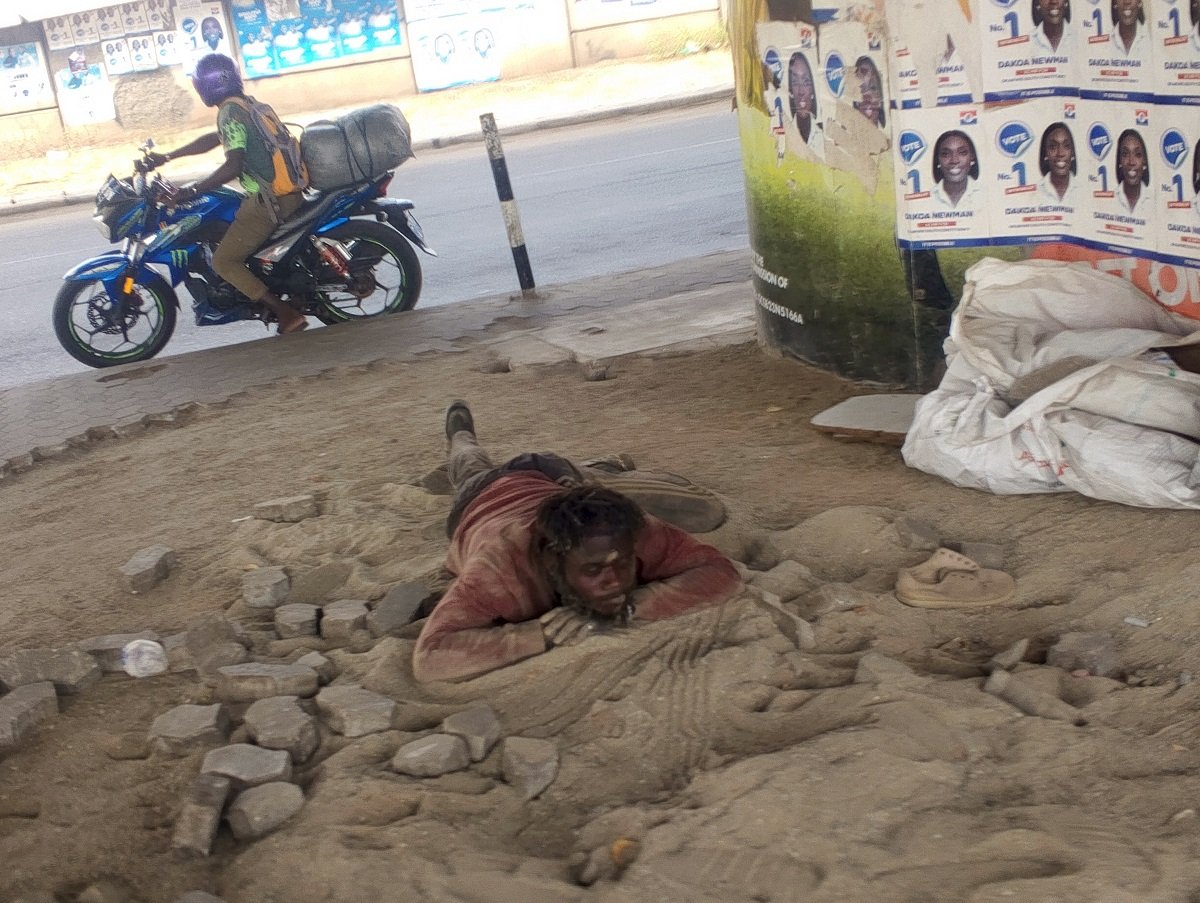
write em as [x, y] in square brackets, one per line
[565, 521]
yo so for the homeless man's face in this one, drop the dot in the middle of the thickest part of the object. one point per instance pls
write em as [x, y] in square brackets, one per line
[600, 573]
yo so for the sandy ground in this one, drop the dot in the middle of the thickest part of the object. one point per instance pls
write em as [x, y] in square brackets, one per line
[744, 768]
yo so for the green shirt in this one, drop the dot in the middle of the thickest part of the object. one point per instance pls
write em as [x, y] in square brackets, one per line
[238, 132]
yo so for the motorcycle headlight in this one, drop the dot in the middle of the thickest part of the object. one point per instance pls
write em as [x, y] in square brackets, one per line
[104, 228]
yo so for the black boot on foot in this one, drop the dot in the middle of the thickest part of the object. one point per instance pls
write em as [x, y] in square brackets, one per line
[458, 418]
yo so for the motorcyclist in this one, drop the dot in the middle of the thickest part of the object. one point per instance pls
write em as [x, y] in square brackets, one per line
[216, 80]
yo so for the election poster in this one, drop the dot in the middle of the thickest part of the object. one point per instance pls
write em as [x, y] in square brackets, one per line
[24, 79]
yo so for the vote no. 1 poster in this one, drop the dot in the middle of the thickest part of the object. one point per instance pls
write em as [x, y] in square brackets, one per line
[201, 29]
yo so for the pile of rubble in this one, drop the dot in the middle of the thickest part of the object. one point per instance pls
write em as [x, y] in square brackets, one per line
[273, 697]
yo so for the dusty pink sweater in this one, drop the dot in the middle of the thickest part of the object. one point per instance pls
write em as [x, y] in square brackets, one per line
[488, 617]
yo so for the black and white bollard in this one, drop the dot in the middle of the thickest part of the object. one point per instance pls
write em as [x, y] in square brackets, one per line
[508, 207]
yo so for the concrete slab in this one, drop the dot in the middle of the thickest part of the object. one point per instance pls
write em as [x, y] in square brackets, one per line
[657, 324]
[873, 418]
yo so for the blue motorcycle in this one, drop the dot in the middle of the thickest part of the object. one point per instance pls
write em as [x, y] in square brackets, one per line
[344, 255]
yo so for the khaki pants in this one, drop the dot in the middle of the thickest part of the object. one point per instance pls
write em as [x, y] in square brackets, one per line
[254, 222]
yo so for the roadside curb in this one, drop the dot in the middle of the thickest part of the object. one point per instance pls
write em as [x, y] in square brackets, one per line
[52, 202]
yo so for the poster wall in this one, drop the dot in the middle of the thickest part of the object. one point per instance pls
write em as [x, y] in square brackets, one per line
[1035, 192]
[1176, 40]
[202, 29]
[84, 92]
[133, 17]
[1028, 48]
[24, 79]
[946, 164]
[1121, 207]
[792, 89]
[1117, 59]
[65, 32]
[1177, 150]
[456, 50]
[1061, 129]
[278, 35]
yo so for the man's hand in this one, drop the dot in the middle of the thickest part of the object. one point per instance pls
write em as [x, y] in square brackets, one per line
[155, 159]
[566, 627]
[184, 194]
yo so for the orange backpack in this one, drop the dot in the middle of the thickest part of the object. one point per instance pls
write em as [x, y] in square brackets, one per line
[291, 175]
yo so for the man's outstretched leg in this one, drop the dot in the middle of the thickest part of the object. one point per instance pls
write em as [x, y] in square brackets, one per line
[466, 458]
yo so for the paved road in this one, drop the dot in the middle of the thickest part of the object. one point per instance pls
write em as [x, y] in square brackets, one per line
[594, 199]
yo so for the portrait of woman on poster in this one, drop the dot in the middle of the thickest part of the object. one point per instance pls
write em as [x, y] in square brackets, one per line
[1050, 20]
[1129, 39]
[1133, 173]
[1194, 11]
[870, 91]
[211, 32]
[956, 171]
[1056, 160]
[802, 100]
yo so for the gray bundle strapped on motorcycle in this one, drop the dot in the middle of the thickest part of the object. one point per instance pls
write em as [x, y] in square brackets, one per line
[357, 147]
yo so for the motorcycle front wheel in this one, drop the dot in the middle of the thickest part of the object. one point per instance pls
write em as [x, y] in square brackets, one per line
[384, 275]
[95, 330]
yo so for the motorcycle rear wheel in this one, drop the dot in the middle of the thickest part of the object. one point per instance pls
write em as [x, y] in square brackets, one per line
[91, 330]
[385, 274]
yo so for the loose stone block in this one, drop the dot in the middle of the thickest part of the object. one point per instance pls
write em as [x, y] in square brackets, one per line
[326, 670]
[265, 588]
[432, 756]
[179, 656]
[212, 629]
[248, 766]
[201, 815]
[289, 510]
[214, 641]
[106, 650]
[254, 680]
[834, 597]
[188, 727]
[398, 608]
[529, 765]
[1093, 651]
[355, 712]
[787, 580]
[260, 810]
[23, 709]
[280, 723]
[296, 620]
[340, 619]
[70, 670]
[479, 727]
[874, 668]
[148, 568]
[918, 534]
[219, 656]
[984, 554]
[198, 896]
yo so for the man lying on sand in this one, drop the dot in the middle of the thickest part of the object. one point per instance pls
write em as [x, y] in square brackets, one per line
[542, 560]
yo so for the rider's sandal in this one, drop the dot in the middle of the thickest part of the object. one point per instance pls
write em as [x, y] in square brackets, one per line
[299, 327]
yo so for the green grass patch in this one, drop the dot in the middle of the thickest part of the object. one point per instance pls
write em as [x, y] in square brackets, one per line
[687, 41]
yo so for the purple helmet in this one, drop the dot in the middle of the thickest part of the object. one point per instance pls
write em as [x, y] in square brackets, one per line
[216, 78]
